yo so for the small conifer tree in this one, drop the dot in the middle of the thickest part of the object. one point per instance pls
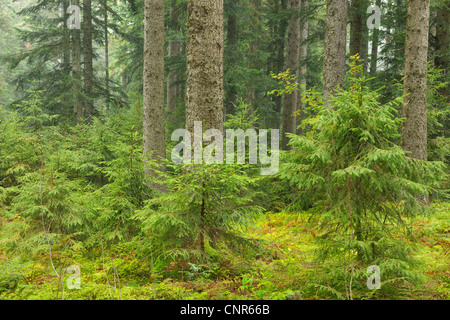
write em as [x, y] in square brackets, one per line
[361, 184]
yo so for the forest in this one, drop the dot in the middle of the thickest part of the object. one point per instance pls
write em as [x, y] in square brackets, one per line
[224, 150]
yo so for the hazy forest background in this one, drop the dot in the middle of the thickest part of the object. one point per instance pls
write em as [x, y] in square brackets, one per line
[93, 207]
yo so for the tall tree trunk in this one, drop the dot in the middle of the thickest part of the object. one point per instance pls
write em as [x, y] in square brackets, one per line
[66, 68]
[414, 128]
[364, 40]
[303, 56]
[443, 43]
[399, 44]
[153, 96]
[66, 40]
[182, 92]
[253, 61]
[334, 47]
[231, 95]
[281, 61]
[204, 82]
[358, 30]
[278, 59]
[87, 60]
[173, 87]
[356, 25]
[374, 51]
[105, 4]
[76, 72]
[290, 102]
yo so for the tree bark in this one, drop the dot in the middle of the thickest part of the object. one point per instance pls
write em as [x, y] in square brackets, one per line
[358, 30]
[76, 72]
[414, 128]
[277, 63]
[65, 48]
[106, 54]
[66, 40]
[443, 43]
[153, 96]
[204, 82]
[231, 95]
[303, 56]
[172, 87]
[290, 102]
[356, 22]
[334, 47]
[364, 40]
[374, 53]
[87, 60]
[253, 61]
[399, 44]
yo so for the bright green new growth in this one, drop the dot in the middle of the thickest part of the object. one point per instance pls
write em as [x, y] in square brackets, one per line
[362, 185]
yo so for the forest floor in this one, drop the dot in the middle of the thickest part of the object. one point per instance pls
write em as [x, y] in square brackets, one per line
[286, 269]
